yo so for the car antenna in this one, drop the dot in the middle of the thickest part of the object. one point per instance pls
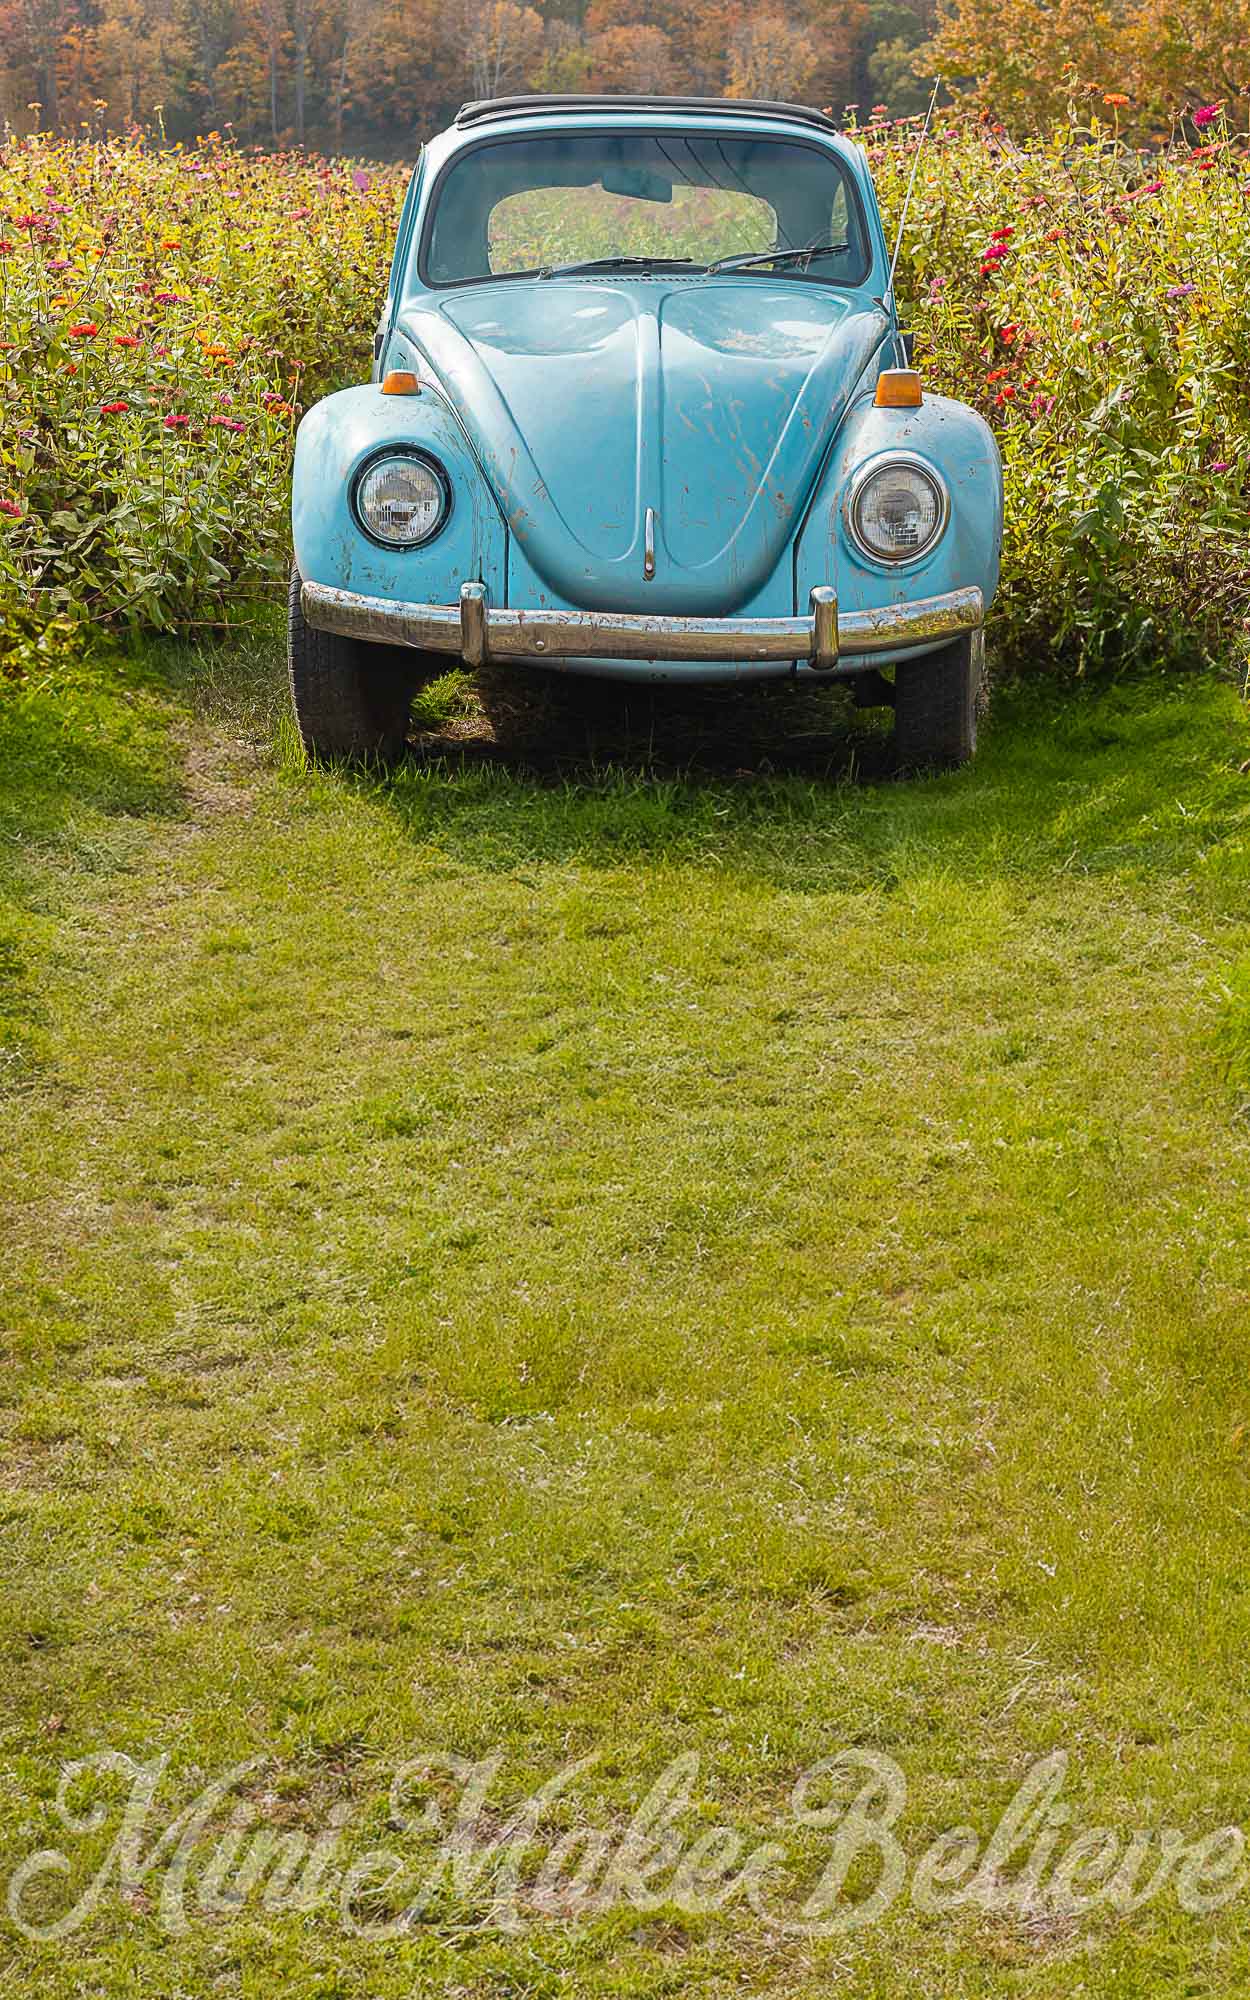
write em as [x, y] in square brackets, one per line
[902, 221]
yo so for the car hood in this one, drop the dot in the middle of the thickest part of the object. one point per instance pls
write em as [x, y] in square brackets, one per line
[589, 402]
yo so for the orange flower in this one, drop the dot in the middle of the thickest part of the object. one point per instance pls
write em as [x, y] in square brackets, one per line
[86, 329]
[126, 340]
[1115, 97]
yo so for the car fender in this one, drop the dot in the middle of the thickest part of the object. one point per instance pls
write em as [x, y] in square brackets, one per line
[960, 446]
[336, 438]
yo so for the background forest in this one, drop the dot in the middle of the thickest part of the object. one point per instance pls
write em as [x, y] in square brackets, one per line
[378, 74]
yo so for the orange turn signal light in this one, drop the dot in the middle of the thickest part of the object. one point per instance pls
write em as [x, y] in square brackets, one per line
[400, 382]
[898, 389]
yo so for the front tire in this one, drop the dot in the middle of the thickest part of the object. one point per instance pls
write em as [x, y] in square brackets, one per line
[352, 699]
[938, 702]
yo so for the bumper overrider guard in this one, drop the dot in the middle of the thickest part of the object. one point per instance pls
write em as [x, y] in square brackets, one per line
[476, 632]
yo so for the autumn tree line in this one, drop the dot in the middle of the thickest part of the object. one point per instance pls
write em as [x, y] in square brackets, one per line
[378, 74]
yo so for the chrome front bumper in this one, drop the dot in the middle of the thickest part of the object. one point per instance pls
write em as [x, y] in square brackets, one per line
[476, 632]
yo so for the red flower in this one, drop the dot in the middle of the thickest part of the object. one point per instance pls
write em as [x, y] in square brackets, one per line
[1008, 333]
[6, 248]
[1006, 393]
[1001, 235]
[173, 423]
[228, 423]
[113, 409]
[86, 329]
[126, 340]
[997, 374]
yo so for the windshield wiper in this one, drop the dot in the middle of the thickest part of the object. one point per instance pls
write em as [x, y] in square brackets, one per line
[778, 257]
[617, 264]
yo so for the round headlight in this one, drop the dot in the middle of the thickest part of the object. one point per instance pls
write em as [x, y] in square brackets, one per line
[402, 499]
[897, 509]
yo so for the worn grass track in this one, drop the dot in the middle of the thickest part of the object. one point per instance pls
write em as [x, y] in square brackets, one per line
[620, 1260]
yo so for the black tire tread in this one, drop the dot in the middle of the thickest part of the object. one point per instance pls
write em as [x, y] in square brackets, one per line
[351, 699]
[938, 702]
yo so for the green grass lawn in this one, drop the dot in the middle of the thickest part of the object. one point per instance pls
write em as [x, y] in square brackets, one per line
[688, 1253]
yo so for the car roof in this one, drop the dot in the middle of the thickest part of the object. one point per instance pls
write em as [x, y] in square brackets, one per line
[484, 111]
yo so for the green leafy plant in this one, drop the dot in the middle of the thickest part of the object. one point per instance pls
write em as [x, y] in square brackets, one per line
[1091, 303]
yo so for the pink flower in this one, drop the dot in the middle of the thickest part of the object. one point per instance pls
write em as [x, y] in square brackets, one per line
[1172, 292]
[228, 423]
[1221, 465]
[361, 181]
[173, 423]
[1206, 114]
[8, 507]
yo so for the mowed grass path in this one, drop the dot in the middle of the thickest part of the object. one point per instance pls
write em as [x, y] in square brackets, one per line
[614, 1265]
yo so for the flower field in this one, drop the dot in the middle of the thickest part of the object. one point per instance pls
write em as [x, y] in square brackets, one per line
[164, 316]
[1092, 303]
[167, 313]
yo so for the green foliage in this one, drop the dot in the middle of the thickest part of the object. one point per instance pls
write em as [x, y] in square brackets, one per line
[1092, 305]
[163, 315]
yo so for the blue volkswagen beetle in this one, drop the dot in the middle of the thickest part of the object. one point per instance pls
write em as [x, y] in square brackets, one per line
[641, 407]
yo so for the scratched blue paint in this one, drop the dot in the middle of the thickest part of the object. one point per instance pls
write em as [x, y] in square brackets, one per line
[738, 408]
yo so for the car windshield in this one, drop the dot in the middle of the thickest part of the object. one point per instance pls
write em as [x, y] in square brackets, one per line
[547, 203]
